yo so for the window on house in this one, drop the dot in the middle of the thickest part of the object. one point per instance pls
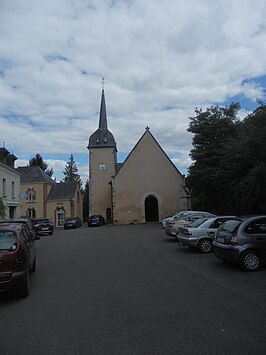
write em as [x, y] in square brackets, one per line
[4, 187]
[12, 210]
[13, 189]
[31, 212]
[31, 195]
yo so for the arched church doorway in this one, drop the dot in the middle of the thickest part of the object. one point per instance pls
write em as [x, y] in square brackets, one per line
[151, 209]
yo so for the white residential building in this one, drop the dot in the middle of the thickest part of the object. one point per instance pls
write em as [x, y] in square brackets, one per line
[9, 184]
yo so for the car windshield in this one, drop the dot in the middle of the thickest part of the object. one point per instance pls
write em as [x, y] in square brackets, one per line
[197, 223]
[8, 240]
[180, 214]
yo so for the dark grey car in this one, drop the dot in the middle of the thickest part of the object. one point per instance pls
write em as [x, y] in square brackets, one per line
[243, 242]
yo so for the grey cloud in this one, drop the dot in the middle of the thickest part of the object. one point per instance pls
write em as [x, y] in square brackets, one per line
[160, 60]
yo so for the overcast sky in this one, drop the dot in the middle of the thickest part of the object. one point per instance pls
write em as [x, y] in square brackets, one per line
[160, 60]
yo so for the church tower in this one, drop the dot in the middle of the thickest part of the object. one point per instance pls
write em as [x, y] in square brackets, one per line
[102, 166]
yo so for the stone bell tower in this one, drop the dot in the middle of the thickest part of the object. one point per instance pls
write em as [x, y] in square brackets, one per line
[102, 166]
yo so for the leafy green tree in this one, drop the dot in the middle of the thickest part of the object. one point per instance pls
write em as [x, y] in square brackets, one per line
[71, 171]
[211, 129]
[243, 166]
[85, 196]
[2, 208]
[37, 160]
[228, 174]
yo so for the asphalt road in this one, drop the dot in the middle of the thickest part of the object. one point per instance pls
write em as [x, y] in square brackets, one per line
[132, 290]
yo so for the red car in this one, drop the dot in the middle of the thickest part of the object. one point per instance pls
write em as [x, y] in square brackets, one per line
[17, 257]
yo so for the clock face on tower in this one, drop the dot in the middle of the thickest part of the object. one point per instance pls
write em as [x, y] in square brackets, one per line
[102, 166]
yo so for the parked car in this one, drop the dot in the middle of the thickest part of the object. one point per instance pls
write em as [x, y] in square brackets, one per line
[96, 220]
[175, 216]
[17, 257]
[201, 233]
[243, 242]
[27, 221]
[172, 225]
[72, 222]
[43, 226]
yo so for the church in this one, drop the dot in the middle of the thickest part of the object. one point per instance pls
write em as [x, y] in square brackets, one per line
[147, 187]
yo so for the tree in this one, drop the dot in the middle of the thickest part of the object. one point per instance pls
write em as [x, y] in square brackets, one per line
[37, 160]
[243, 166]
[211, 130]
[2, 208]
[71, 171]
[85, 196]
[228, 174]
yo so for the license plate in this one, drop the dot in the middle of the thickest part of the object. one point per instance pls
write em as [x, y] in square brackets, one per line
[45, 229]
[220, 240]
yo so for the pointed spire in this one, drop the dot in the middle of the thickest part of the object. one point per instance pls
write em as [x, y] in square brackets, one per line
[103, 117]
[102, 137]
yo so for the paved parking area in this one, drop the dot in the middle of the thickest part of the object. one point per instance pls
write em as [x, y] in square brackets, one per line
[132, 290]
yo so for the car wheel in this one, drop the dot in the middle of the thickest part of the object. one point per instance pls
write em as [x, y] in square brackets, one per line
[205, 246]
[23, 292]
[33, 268]
[250, 260]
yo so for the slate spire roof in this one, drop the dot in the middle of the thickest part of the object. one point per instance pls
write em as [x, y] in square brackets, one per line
[103, 117]
[102, 137]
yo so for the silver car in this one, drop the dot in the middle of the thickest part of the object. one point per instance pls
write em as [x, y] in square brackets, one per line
[201, 233]
[243, 242]
[172, 225]
[176, 216]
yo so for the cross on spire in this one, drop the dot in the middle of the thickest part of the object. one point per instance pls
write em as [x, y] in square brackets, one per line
[103, 82]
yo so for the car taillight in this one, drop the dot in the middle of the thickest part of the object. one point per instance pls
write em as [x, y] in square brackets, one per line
[234, 239]
[36, 225]
[187, 233]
